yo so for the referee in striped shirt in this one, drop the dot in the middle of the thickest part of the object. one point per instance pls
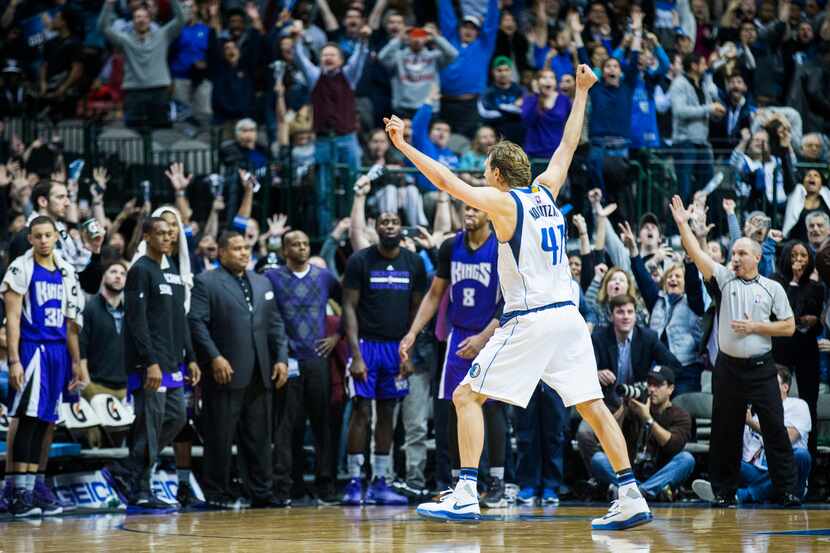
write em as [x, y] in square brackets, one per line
[751, 310]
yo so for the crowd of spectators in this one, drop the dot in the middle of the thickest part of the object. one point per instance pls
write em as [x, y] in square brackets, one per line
[732, 98]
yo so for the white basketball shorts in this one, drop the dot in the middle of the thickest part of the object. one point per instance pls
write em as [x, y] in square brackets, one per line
[552, 345]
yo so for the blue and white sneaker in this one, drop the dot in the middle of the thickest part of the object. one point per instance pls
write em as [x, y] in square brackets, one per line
[628, 511]
[460, 504]
[353, 494]
[549, 497]
[526, 496]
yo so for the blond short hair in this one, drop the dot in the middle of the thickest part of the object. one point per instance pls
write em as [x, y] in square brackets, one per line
[512, 163]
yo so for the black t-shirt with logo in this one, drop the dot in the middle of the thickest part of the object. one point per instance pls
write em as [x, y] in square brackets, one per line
[386, 287]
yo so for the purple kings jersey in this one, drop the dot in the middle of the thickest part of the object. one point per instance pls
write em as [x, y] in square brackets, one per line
[43, 319]
[474, 283]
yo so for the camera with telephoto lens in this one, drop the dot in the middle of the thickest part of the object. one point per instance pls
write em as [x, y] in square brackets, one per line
[638, 391]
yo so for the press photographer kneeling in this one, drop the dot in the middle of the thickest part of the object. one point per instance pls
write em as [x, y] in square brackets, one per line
[656, 433]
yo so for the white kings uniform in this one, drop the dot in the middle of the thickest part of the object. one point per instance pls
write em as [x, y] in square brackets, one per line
[542, 334]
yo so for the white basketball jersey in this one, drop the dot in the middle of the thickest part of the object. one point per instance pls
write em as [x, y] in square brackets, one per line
[533, 265]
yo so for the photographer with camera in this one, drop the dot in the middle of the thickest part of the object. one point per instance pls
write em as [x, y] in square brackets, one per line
[625, 353]
[656, 433]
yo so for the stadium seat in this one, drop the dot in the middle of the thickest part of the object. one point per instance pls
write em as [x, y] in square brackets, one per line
[699, 407]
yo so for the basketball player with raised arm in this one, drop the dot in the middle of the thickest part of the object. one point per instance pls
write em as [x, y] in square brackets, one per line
[542, 335]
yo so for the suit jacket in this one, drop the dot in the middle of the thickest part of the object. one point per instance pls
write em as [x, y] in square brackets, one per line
[646, 351]
[222, 324]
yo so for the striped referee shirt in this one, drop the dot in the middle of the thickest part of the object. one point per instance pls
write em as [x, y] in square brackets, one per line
[758, 299]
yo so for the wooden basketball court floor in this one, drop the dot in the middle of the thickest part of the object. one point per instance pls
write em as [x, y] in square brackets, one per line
[396, 529]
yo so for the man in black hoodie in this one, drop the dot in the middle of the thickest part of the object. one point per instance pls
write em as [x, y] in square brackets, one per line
[153, 313]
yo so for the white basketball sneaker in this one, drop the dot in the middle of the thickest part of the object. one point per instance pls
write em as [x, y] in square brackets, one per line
[628, 511]
[458, 504]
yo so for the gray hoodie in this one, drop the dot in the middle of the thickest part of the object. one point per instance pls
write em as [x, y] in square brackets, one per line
[690, 118]
[415, 75]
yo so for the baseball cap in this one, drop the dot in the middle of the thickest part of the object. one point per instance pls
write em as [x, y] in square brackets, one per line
[681, 32]
[418, 32]
[502, 60]
[473, 19]
[650, 217]
[660, 374]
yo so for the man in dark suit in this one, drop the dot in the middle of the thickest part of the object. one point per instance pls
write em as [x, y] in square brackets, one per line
[237, 328]
[625, 353]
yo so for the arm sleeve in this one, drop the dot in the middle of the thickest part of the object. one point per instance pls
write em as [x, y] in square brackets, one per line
[354, 67]
[420, 126]
[444, 259]
[663, 62]
[388, 55]
[582, 54]
[311, 71]
[105, 26]
[615, 248]
[780, 303]
[328, 252]
[645, 283]
[335, 289]
[489, 32]
[86, 332]
[136, 295]
[722, 275]
[587, 271]
[420, 284]
[353, 276]
[694, 289]
[173, 27]
[767, 265]
[734, 228]
[199, 319]
[680, 428]
[277, 338]
[448, 51]
[447, 19]
[631, 71]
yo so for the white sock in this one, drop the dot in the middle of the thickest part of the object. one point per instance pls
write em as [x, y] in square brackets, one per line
[629, 491]
[30, 481]
[456, 473]
[497, 472]
[380, 465]
[18, 481]
[467, 488]
[354, 461]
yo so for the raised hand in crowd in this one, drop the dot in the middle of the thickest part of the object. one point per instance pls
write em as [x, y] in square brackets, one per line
[628, 239]
[178, 179]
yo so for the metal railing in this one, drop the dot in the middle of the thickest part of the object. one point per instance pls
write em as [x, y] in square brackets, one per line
[132, 157]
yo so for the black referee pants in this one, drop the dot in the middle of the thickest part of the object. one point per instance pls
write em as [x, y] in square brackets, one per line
[736, 383]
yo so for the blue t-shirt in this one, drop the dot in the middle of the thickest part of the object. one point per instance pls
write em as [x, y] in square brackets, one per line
[190, 46]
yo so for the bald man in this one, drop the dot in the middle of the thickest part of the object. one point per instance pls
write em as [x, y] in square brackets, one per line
[751, 310]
